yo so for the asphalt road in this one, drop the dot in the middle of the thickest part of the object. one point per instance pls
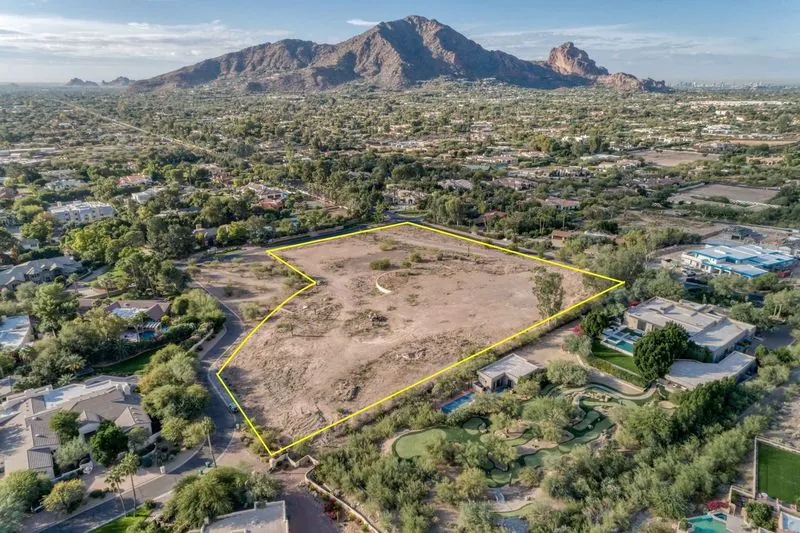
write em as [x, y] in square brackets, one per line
[217, 410]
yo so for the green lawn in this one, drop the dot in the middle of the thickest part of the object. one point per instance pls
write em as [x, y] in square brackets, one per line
[129, 366]
[778, 473]
[614, 357]
[121, 524]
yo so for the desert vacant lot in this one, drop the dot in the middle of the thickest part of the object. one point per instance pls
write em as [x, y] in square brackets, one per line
[345, 344]
[671, 158]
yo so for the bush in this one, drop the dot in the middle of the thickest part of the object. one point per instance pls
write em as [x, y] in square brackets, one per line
[380, 264]
[97, 493]
[760, 514]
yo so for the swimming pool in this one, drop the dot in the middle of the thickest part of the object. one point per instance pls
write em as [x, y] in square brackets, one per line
[707, 524]
[789, 522]
[449, 407]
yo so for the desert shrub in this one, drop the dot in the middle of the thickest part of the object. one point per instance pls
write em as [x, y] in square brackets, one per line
[380, 264]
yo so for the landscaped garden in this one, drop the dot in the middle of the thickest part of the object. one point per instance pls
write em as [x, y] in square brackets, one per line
[531, 448]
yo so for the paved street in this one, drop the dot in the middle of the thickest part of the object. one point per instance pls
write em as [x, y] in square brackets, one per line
[225, 422]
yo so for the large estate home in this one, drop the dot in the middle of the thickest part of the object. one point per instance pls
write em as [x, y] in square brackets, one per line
[39, 271]
[749, 261]
[705, 325]
[26, 439]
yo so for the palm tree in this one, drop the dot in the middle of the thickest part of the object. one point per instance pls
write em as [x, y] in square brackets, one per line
[128, 467]
[114, 479]
[208, 427]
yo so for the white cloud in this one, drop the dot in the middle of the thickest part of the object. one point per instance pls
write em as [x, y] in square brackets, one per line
[362, 22]
[651, 53]
[49, 37]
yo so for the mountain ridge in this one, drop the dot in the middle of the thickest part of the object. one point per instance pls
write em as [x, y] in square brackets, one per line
[390, 55]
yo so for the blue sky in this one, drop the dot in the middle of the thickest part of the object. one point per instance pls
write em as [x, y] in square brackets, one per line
[733, 40]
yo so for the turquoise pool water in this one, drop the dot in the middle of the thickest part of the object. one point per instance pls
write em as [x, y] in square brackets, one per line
[625, 345]
[707, 524]
[449, 407]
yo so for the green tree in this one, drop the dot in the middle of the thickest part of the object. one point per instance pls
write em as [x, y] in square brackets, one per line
[567, 373]
[66, 496]
[195, 498]
[40, 228]
[476, 517]
[549, 291]
[53, 305]
[11, 514]
[25, 486]
[7, 241]
[199, 431]
[654, 353]
[65, 424]
[70, 452]
[549, 414]
[594, 323]
[107, 443]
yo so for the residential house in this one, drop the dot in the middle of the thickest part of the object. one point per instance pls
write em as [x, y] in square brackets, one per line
[39, 271]
[29, 244]
[145, 196]
[64, 185]
[456, 185]
[688, 373]
[133, 180]
[151, 312]
[704, 323]
[81, 212]
[562, 203]
[518, 184]
[748, 260]
[7, 218]
[506, 372]
[560, 236]
[405, 198]
[262, 518]
[27, 441]
[15, 332]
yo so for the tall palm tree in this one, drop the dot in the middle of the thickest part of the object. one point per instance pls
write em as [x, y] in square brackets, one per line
[208, 428]
[128, 467]
[114, 479]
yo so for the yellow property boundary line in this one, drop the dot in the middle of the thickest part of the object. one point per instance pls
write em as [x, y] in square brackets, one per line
[312, 283]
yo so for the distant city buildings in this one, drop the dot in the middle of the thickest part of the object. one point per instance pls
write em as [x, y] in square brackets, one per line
[81, 212]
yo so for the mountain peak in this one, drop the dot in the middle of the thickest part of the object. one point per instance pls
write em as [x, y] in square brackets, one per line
[570, 60]
[390, 55]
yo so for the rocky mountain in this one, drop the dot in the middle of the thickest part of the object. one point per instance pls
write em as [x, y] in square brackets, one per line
[571, 60]
[390, 55]
[77, 82]
[121, 81]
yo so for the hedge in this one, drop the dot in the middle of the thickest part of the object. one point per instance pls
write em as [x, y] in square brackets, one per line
[616, 371]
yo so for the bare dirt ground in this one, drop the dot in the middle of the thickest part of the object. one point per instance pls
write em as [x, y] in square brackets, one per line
[671, 158]
[344, 344]
[736, 194]
[248, 281]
